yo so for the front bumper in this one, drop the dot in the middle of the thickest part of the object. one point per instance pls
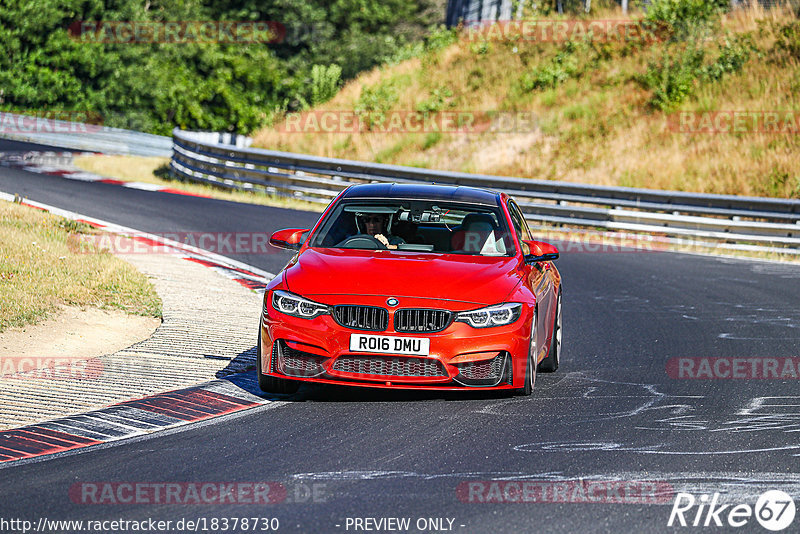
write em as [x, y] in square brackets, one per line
[460, 356]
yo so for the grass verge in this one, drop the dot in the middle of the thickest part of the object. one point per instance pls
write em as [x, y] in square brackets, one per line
[40, 270]
[153, 170]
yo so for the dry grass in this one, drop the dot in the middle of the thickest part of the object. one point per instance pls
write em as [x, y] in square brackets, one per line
[41, 269]
[128, 168]
[152, 170]
[594, 128]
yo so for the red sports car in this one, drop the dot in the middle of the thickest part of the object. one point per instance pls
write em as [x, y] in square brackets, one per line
[412, 287]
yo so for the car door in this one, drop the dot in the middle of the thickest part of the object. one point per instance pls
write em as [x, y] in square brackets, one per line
[539, 278]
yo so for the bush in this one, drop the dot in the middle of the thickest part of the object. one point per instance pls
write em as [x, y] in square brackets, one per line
[440, 37]
[375, 101]
[480, 48]
[431, 139]
[440, 98]
[733, 54]
[684, 18]
[561, 68]
[677, 12]
[674, 78]
[789, 39]
[324, 82]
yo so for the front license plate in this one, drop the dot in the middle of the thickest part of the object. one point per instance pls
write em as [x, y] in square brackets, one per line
[418, 346]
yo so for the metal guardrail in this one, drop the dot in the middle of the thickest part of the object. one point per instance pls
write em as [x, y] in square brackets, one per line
[742, 222]
[79, 136]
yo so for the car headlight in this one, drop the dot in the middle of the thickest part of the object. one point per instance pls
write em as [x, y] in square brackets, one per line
[295, 305]
[497, 315]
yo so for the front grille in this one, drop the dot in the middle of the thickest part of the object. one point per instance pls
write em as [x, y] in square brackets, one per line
[389, 366]
[293, 362]
[362, 317]
[421, 320]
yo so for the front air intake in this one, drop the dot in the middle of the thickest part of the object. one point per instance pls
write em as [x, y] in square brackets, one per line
[292, 362]
[485, 372]
[389, 366]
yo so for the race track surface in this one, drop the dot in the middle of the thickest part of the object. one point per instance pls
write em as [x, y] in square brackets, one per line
[611, 412]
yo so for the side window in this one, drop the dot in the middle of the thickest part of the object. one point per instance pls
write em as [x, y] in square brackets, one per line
[526, 232]
[520, 226]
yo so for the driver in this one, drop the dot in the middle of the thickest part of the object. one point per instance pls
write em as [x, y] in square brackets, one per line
[377, 225]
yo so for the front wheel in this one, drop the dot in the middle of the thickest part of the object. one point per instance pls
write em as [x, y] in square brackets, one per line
[272, 384]
[550, 363]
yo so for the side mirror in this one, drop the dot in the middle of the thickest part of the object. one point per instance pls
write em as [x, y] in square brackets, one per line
[290, 238]
[540, 251]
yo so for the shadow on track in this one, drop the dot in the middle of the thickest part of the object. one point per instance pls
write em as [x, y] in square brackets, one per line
[241, 372]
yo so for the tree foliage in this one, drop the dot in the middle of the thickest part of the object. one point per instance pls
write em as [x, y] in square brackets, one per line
[153, 86]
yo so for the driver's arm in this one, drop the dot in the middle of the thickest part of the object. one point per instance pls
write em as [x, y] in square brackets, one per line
[387, 242]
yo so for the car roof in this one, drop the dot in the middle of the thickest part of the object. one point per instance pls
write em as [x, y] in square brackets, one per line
[452, 193]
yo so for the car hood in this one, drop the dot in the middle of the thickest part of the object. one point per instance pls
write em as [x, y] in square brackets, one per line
[471, 279]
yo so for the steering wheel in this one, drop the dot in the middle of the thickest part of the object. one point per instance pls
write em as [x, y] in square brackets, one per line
[362, 241]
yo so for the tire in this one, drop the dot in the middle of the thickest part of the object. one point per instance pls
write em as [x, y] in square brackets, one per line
[550, 363]
[530, 366]
[271, 384]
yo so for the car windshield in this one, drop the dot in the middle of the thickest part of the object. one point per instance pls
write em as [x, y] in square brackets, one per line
[416, 226]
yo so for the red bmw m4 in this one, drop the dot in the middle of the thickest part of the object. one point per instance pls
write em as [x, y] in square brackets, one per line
[412, 287]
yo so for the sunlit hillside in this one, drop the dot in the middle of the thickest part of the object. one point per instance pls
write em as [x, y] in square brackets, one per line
[603, 111]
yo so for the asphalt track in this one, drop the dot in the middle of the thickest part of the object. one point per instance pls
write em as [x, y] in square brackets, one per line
[610, 413]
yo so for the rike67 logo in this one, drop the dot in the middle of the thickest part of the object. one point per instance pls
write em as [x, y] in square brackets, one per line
[774, 511]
